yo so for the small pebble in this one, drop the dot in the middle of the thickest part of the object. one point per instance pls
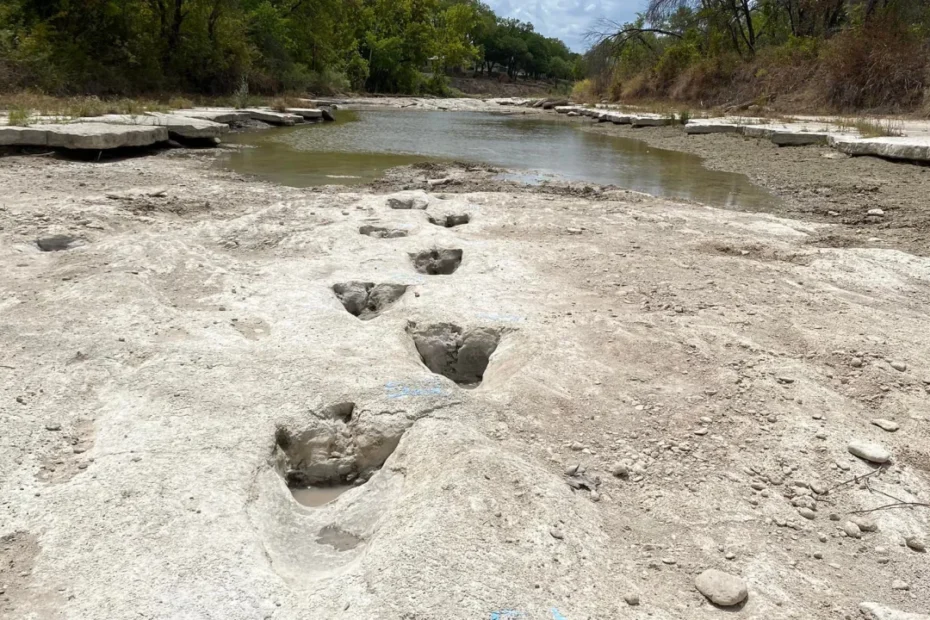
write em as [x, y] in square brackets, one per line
[886, 425]
[852, 530]
[915, 543]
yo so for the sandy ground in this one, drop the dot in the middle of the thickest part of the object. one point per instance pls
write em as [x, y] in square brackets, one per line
[675, 389]
[817, 184]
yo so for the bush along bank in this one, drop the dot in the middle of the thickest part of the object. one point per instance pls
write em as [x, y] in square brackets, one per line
[839, 56]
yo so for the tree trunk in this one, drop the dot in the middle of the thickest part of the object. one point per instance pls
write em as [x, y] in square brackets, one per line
[174, 37]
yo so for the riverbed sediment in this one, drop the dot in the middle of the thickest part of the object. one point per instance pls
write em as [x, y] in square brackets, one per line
[671, 388]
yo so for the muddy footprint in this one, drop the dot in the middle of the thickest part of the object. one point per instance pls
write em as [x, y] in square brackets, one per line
[452, 352]
[450, 221]
[437, 262]
[382, 232]
[366, 300]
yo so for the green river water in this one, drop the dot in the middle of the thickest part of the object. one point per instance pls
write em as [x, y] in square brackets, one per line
[361, 145]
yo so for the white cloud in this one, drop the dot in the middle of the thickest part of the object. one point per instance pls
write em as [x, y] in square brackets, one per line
[568, 20]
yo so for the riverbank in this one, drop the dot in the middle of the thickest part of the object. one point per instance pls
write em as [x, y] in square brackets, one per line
[668, 388]
[816, 183]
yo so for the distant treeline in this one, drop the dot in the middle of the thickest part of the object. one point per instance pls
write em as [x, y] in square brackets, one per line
[815, 54]
[123, 47]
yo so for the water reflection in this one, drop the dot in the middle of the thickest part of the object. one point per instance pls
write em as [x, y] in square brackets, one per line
[361, 145]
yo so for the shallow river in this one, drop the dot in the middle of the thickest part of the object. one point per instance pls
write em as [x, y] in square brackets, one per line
[360, 146]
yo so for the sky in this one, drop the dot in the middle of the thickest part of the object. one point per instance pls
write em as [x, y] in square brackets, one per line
[567, 19]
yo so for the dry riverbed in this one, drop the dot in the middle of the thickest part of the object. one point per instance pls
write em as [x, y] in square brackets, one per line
[816, 183]
[563, 402]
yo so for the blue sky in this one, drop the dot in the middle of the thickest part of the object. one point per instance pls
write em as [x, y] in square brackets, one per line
[567, 19]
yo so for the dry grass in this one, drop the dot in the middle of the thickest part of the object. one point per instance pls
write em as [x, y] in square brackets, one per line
[281, 104]
[18, 117]
[38, 104]
[871, 127]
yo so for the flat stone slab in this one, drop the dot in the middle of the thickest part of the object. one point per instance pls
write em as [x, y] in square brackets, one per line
[23, 136]
[799, 138]
[306, 113]
[915, 148]
[650, 121]
[183, 127]
[758, 131]
[83, 135]
[275, 118]
[102, 136]
[702, 127]
[216, 115]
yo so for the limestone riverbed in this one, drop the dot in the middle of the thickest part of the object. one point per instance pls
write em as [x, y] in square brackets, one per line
[576, 402]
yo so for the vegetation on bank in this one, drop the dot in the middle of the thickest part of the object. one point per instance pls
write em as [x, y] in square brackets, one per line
[220, 47]
[837, 55]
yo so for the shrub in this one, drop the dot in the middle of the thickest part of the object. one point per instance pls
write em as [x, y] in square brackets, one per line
[583, 92]
[880, 64]
[435, 85]
[357, 72]
[674, 61]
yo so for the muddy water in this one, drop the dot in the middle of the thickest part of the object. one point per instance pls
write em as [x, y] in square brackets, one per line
[318, 496]
[360, 146]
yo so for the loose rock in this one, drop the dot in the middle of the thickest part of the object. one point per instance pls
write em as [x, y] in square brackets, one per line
[915, 543]
[871, 452]
[852, 530]
[886, 425]
[721, 588]
[874, 611]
